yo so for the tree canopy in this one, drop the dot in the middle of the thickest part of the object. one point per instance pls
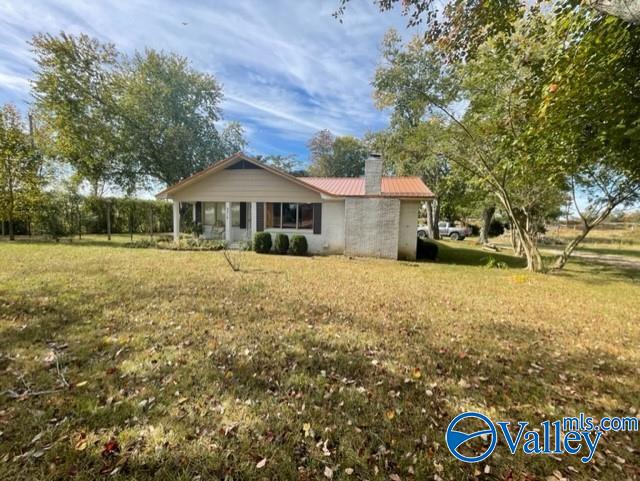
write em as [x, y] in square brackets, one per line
[122, 120]
[333, 156]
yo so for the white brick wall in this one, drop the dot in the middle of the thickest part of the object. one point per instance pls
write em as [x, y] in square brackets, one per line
[371, 227]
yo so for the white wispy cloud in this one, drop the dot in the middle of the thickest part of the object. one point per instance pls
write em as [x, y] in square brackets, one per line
[288, 68]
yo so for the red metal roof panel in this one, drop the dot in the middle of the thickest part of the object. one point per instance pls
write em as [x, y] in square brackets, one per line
[354, 186]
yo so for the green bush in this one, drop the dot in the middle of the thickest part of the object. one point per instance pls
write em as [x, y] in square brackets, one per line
[299, 245]
[281, 244]
[493, 263]
[262, 242]
[426, 250]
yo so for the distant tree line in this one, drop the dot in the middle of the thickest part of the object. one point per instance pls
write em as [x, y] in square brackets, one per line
[57, 214]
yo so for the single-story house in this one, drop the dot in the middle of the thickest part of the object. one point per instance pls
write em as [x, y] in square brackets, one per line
[366, 216]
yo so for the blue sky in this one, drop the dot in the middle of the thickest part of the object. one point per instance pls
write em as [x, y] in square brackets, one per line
[288, 68]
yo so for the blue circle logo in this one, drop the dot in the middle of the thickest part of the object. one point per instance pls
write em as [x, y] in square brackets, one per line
[456, 439]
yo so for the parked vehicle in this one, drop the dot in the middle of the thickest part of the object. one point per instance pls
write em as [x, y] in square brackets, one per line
[446, 229]
[453, 232]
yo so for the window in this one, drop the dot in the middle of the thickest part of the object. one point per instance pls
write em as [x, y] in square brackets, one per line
[305, 216]
[235, 214]
[288, 215]
[273, 215]
[213, 213]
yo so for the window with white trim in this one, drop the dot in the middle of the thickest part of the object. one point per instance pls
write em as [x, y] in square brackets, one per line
[288, 215]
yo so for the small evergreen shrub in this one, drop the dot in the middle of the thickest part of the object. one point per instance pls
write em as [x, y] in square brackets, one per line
[281, 244]
[426, 250]
[262, 242]
[299, 245]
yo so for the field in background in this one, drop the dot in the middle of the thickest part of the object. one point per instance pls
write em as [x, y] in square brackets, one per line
[147, 364]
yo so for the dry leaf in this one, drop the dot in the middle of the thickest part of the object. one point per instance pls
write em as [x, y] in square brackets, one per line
[261, 463]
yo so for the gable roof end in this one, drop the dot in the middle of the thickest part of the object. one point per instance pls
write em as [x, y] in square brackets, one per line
[222, 164]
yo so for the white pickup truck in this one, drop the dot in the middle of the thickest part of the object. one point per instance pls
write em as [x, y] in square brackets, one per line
[447, 229]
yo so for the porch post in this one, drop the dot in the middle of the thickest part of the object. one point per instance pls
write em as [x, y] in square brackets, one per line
[254, 218]
[176, 220]
[227, 221]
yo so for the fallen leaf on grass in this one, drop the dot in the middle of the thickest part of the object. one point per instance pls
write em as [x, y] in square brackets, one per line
[111, 448]
[262, 463]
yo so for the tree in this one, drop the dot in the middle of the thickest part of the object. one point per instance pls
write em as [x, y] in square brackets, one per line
[20, 168]
[75, 95]
[349, 155]
[491, 141]
[458, 27]
[125, 120]
[422, 151]
[597, 129]
[288, 163]
[333, 156]
[168, 113]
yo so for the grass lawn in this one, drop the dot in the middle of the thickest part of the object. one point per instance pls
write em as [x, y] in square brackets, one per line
[148, 364]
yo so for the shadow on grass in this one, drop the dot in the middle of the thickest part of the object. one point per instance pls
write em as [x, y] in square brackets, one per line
[217, 412]
[458, 253]
[610, 251]
[599, 271]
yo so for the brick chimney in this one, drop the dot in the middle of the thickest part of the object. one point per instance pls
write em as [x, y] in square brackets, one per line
[373, 174]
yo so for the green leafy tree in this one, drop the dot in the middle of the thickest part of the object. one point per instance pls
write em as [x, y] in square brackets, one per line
[288, 163]
[333, 156]
[75, 95]
[20, 168]
[168, 112]
[591, 104]
[124, 120]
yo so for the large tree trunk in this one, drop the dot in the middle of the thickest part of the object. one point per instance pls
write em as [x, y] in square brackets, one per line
[11, 234]
[562, 259]
[436, 219]
[433, 217]
[429, 220]
[487, 217]
[527, 241]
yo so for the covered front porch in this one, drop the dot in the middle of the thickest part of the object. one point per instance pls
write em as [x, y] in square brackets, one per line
[228, 221]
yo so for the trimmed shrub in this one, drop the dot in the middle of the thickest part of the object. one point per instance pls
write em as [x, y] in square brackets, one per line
[299, 245]
[426, 250]
[281, 244]
[262, 242]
